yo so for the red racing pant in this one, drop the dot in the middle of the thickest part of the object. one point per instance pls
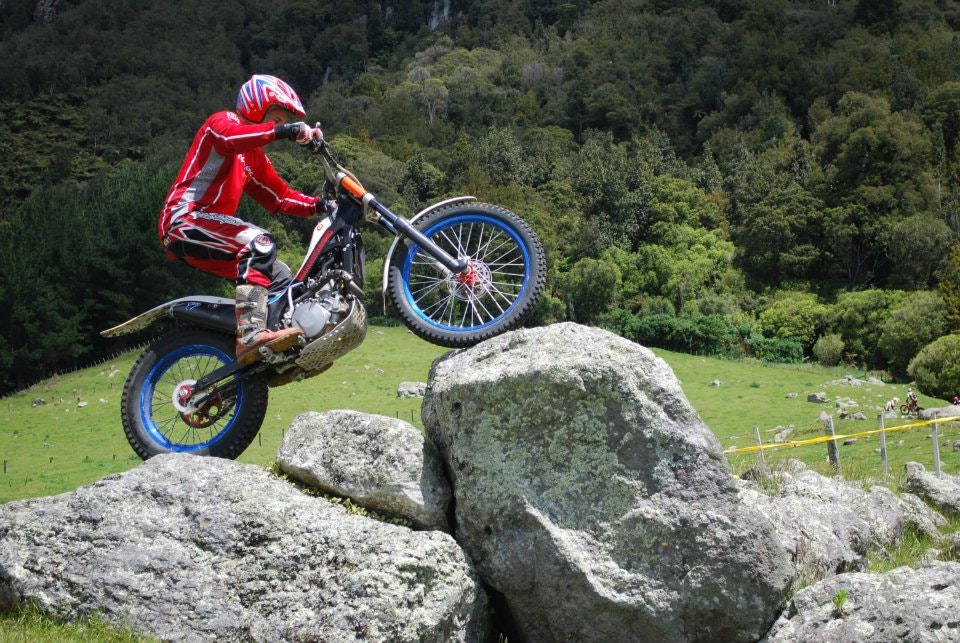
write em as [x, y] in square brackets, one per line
[222, 245]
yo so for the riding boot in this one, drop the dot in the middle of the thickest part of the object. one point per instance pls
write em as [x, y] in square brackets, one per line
[252, 330]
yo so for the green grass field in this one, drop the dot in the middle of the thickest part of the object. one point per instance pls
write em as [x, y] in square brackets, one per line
[60, 445]
[752, 394]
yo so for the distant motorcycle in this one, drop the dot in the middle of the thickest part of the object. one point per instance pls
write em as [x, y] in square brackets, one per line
[459, 272]
[911, 408]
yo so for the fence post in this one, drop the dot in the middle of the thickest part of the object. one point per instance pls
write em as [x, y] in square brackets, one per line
[833, 453]
[883, 446]
[936, 446]
[763, 461]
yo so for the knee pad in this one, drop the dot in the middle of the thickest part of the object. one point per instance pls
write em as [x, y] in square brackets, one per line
[255, 263]
[264, 246]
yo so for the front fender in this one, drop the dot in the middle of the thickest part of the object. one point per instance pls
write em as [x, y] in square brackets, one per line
[413, 219]
[214, 312]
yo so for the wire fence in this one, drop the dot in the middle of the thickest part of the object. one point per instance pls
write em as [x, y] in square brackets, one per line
[830, 439]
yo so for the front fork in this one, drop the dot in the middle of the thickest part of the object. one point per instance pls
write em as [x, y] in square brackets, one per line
[399, 225]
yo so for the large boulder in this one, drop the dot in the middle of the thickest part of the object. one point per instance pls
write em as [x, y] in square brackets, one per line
[901, 605]
[381, 463]
[591, 495]
[943, 492]
[188, 548]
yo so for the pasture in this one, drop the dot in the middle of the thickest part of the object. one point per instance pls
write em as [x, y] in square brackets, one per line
[75, 438]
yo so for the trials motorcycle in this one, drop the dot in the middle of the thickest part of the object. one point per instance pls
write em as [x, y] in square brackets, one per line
[458, 272]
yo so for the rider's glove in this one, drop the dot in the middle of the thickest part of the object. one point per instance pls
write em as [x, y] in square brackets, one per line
[326, 206]
[299, 132]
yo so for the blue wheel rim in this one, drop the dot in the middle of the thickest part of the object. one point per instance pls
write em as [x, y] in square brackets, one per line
[453, 235]
[156, 399]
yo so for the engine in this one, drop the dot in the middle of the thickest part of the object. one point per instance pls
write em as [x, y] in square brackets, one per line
[320, 313]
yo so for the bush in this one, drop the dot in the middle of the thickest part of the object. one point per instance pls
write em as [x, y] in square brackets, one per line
[829, 349]
[795, 315]
[936, 368]
[702, 335]
[779, 350]
[860, 317]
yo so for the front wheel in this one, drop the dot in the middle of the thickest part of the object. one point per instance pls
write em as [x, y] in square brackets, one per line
[156, 410]
[504, 282]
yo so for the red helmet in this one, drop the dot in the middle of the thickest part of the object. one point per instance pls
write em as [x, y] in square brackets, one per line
[262, 92]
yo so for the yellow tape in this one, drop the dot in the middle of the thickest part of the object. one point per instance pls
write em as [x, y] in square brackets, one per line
[828, 438]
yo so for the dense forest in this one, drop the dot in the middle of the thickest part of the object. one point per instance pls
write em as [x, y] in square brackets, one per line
[776, 179]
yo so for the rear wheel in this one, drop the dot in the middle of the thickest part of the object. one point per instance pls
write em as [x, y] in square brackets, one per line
[503, 285]
[158, 416]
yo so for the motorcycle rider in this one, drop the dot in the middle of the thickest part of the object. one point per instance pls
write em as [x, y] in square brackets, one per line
[198, 224]
[912, 401]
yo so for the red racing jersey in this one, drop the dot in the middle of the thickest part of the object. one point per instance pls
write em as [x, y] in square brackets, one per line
[225, 160]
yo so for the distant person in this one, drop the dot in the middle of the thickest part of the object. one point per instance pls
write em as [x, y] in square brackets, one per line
[911, 398]
[198, 223]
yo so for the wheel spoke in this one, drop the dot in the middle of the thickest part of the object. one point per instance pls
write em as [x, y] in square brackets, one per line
[178, 428]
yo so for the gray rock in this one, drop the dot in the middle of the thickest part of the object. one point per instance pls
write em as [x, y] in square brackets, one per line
[921, 516]
[940, 412]
[901, 605]
[380, 463]
[819, 398]
[592, 496]
[411, 389]
[783, 433]
[188, 548]
[943, 492]
[846, 380]
[827, 524]
[822, 539]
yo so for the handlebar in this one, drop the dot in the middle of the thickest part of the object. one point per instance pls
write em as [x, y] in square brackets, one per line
[337, 175]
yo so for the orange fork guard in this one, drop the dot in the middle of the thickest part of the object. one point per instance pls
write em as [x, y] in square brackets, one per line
[352, 186]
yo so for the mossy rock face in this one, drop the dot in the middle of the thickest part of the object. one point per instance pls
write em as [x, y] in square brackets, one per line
[591, 494]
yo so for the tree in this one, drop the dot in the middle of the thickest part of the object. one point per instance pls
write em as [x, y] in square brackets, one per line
[591, 288]
[860, 317]
[916, 322]
[949, 288]
[681, 263]
[852, 244]
[918, 247]
[421, 181]
[874, 157]
[941, 111]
